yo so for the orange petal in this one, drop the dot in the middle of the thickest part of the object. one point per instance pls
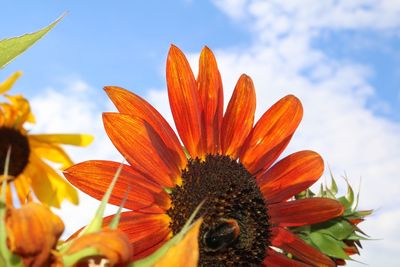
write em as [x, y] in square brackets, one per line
[271, 134]
[130, 103]
[291, 175]
[184, 100]
[143, 147]
[211, 95]
[145, 232]
[94, 177]
[276, 259]
[239, 117]
[290, 243]
[304, 211]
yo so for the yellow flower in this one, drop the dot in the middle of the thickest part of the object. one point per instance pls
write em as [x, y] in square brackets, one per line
[28, 169]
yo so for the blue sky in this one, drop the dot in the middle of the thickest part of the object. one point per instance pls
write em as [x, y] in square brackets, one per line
[344, 65]
[380, 51]
[125, 43]
[121, 43]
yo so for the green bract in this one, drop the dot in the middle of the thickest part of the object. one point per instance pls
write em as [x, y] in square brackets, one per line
[339, 237]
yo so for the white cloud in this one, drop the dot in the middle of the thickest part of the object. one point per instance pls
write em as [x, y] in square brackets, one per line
[76, 108]
[337, 122]
[274, 19]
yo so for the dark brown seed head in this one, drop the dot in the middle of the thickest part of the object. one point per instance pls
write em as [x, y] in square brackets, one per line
[235, 229]
[20, 151]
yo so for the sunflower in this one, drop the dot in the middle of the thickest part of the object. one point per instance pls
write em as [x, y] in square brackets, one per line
[249, 205]
[28, 169]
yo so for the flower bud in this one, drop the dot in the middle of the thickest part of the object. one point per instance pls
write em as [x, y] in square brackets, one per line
[112, 245]
[33, 231]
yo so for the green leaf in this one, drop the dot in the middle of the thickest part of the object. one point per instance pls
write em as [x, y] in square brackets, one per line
[10, 48]
[329, 246]
[339, 229]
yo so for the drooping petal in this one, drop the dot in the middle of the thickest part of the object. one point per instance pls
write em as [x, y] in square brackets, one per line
[22, 110]
[184, 100]
[239, 117]
[145, 232]
[94, 177]
[143, 147]
[130, 103]
[271, 134]
[48, 185]
[50, 151]
[8, 84]
[304, 211]
[210, 88]
[290, 243]
[290, 176]
[65, 139]
[276, 259]
[23, 188]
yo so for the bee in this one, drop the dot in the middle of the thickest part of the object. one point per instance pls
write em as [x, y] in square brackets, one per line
[222, 235]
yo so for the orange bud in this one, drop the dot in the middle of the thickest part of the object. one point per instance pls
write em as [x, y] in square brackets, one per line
[33, 231]
[185, 253]
[112, 245]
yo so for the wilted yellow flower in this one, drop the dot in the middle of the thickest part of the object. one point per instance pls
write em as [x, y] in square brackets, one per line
[33, 231]
[28, 169]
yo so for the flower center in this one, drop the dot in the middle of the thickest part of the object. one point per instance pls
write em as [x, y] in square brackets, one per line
[19, 150]
[235, 229]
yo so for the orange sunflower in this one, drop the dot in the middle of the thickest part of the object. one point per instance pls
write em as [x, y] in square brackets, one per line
[249, 205]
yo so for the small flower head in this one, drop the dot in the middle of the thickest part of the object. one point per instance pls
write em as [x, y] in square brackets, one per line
[33, 231]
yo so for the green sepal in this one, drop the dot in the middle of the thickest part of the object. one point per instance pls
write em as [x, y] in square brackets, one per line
[115, 220]
[7, 258]
[334, 187]
[330, 236]
[339, 229]
[186, 152]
